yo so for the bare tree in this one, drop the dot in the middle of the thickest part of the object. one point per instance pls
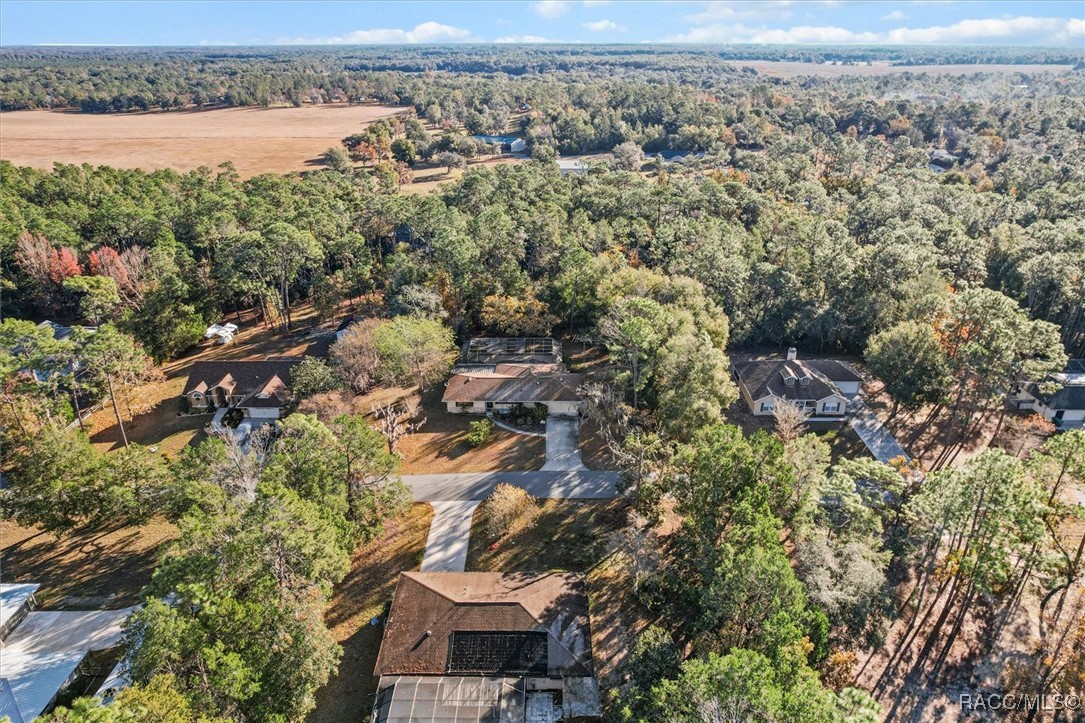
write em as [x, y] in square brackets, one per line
[355, 357]
[239, 471]
[394, 421]
[790, 421]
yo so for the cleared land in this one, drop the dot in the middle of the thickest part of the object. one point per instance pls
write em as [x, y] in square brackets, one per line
[793, 69]
[256, 140]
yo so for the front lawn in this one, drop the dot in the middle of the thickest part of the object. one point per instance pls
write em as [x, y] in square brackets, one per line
[83, 570]
[556, 535]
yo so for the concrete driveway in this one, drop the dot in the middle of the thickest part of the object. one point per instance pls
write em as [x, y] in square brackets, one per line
[449, 533]
[563, 444]
[875, 436]
[545, 484]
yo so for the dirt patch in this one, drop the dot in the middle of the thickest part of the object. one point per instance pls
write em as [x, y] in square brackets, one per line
[617, 618]
[363, 595]
[84, 570]
[428, 180]
[555, 535]
[255, 140]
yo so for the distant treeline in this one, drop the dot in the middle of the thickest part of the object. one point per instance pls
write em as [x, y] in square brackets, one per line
[105, 80]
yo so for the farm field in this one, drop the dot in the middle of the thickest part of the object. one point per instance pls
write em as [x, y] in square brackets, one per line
[794, 69]
[256, 140]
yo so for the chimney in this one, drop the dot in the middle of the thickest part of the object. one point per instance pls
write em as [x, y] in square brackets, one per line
[792, 353]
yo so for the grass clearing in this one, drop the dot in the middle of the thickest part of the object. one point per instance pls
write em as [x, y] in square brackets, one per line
[255, 140]
[84, 570]
[364, 594]
[555, 535]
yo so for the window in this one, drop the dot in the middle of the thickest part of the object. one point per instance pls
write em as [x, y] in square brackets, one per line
[489, 405]
[831, 407]
[464, 405]
[767, 406]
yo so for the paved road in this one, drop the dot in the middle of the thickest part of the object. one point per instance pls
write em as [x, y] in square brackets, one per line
[876, 437]
[563, 444]
[449, 533]
[579, 485]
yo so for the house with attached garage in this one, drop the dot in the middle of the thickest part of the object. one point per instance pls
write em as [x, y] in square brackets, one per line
[498, 374]
[487, 646]
[260, 389]
[1060, 399]
[821, 387]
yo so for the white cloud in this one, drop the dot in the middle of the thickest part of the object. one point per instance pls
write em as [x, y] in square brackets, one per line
[895, 15]
[1053, 31]
[551, 9]
[429, 32]
[522, 39]
[602, 26]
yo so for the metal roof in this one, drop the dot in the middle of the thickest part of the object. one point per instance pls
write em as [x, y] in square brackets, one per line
[35, 678]
[13, 596]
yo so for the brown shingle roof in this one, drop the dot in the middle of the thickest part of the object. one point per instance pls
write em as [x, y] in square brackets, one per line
[429, 607]
[254, 379]
[513, 383]
[762, 378]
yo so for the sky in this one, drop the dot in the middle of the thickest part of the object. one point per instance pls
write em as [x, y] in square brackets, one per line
[263, 22]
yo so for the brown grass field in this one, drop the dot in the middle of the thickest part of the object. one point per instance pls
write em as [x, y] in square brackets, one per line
[794, 69]
[256, 140]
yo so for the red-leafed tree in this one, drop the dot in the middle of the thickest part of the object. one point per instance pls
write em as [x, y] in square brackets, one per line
[62, 264]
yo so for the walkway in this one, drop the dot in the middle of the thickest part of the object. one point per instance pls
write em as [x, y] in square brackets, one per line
[874, 435]
[563, 444]
[449, 533]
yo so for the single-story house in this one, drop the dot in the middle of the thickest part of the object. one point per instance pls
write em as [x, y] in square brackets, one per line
[479, 389]
[572, 166]
[1061, 400]
[508, 144]
[942, 158]
[63, 333]
[821, 387]
[670, 156]
[485, 646]
[258, 388]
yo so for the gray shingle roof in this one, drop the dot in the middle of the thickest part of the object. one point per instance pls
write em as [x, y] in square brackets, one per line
[764, 378]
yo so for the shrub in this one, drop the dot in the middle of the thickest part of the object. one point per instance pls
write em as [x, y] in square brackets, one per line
[504, 507]
[480, 432]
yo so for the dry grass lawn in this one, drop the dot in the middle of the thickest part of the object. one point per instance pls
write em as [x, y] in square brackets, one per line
[428, 180]
[441, 445]
[255, 140]
[555, 535]
[84, 570]
[364, 594]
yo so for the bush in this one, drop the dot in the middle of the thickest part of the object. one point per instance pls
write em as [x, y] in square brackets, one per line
[480, 432]
[504, 507]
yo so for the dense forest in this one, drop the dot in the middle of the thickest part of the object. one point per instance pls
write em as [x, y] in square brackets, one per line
[815, 218]
[112, 80]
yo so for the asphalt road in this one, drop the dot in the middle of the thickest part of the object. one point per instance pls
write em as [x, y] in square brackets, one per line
[576, 485]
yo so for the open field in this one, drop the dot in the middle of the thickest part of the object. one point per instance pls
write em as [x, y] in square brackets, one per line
[256, 140]
[362, 596]
[795, 69]
[83, 570]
